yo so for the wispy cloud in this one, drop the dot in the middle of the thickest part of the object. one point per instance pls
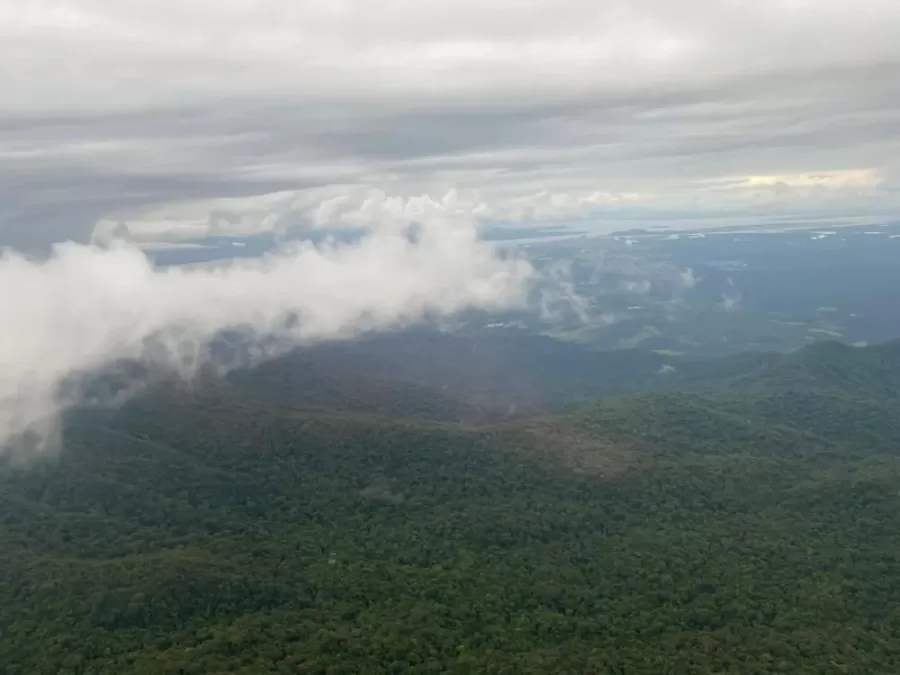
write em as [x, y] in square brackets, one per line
[85, 307]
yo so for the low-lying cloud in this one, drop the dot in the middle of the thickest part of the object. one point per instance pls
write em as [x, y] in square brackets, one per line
[85, 307]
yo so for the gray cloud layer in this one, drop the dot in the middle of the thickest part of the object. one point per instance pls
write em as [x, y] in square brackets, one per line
[548, 109]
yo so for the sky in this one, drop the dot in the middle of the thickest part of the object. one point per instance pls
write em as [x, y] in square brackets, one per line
[131, 125]
[166, 120]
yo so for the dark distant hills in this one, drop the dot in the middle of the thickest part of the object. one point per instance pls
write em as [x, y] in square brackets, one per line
[457, 377]
[451, 376]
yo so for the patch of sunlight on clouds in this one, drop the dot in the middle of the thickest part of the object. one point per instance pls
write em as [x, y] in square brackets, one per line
[847, 178]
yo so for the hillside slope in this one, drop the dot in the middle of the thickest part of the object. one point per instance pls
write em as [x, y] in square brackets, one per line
[753, 530]
[451, 377]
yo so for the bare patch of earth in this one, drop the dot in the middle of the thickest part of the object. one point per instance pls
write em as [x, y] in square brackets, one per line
[576, 450]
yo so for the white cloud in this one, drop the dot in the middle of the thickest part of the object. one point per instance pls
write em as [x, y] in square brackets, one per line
[687, 279]
[730, 301]
[86, 306]
[637, 287]
[342, 206]
[866, 178]
[558, 301]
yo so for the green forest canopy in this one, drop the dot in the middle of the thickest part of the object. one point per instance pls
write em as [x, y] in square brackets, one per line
[752, 527]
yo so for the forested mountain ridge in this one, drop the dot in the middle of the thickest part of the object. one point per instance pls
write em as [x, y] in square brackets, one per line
[747, 526]
[451, 377]
[823, 365]
[484, 376]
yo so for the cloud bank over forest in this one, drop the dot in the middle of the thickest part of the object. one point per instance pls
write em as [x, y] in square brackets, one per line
[87, 307]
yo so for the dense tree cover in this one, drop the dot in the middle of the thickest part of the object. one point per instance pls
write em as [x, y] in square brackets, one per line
[747, 531]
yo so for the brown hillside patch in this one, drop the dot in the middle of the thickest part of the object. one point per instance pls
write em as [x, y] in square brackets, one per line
[576, 450]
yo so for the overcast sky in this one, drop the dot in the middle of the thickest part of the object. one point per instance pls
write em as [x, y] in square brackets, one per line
[171, 119]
